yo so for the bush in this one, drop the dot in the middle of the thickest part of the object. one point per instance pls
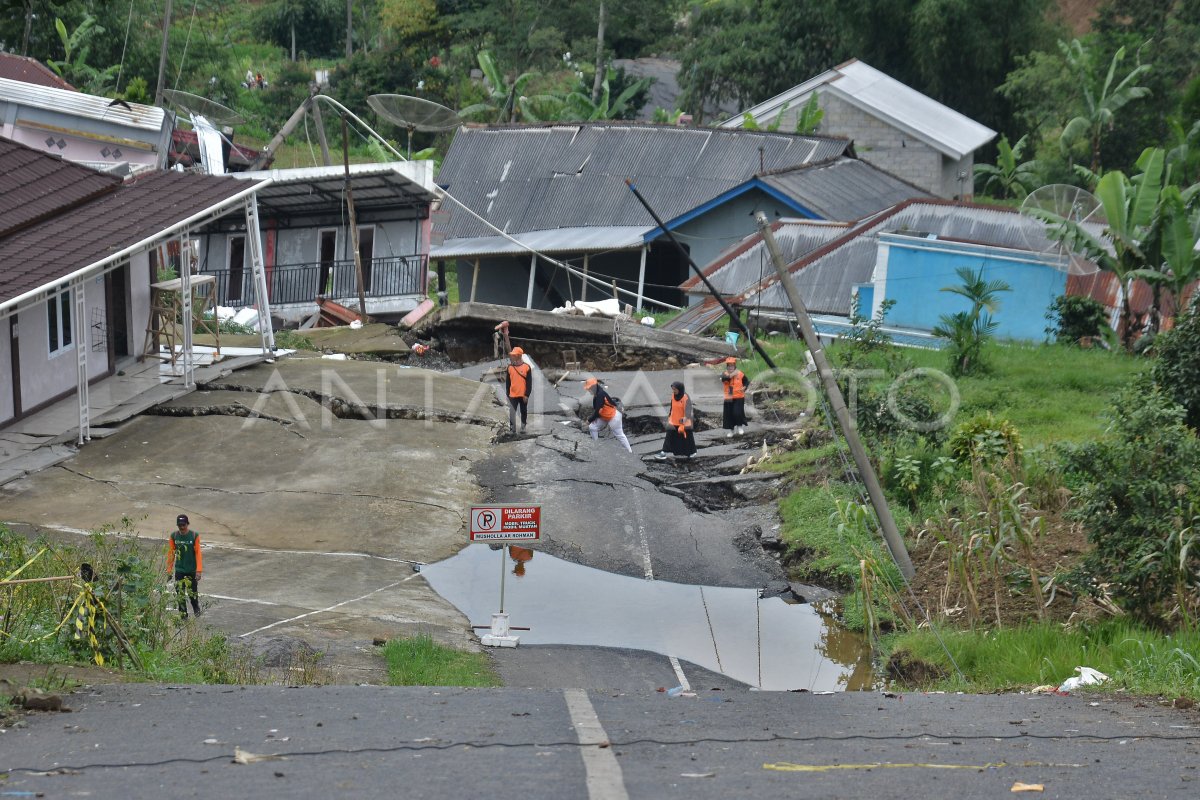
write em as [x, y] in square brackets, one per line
[985, 438]
[1177, 370]
[1137, 492]
[1073, 318]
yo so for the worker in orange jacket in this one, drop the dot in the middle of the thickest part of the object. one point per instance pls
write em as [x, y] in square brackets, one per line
[605, 413]
[185, 564]
[681, 426]
[734, 411]
[518, 382]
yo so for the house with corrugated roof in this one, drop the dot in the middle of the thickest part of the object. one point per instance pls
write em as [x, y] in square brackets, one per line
[893, 126]
[518, 193]
[79, 253]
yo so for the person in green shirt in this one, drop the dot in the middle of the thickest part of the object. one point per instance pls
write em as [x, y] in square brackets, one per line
[185, 563]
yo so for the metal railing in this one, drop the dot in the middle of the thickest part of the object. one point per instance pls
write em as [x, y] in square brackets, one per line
[302, 283]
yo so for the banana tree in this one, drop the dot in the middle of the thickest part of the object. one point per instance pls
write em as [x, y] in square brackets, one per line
[1101, 100]
[1013, 177]
[505, 96]
[1178, 230]
[578, 106]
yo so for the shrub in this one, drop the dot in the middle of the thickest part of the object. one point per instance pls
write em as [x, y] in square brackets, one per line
[1177, 370]
[1136, 491]
[1073, 318]
[985, 438]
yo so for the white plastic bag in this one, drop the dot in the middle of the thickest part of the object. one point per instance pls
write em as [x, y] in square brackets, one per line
[1086, 677]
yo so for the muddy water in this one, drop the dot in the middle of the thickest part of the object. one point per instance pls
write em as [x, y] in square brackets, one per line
[767, 643]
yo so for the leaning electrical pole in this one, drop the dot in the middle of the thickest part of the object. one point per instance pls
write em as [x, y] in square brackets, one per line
[162, 56]
[887, 525]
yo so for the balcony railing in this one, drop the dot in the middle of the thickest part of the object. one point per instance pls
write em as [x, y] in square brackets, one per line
[302, 283]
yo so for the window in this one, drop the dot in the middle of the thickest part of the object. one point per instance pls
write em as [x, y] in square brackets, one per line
[58, 322]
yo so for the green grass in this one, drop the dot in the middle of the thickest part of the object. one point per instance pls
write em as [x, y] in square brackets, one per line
[1138, 660]
[420, 661]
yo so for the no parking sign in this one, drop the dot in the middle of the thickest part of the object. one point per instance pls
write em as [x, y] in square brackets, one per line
[506, 523]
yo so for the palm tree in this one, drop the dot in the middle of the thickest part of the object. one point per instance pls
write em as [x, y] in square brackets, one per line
[1013, 177]
[968, 331]
[1102, 101]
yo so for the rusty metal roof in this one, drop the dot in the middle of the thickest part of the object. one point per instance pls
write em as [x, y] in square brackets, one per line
[34, 185]
[30, 70]
[530, 178]
[145, 207]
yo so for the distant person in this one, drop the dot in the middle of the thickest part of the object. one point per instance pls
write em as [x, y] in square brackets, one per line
[260, 81]
[734, 411]
[249, 81]
[519, 382]
[185, 563]
[604, 414]
[681, 426]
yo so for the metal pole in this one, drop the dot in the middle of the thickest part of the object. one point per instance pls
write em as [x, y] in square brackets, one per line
[185, 294]
[887, 525]
[474, 280]
[642, 277]
[583, 289]
[503, 571]
[267, 154]
[78, 325]
[532, 273]
[162, 56]
[734, 317]
[324, 142]
[358, 269]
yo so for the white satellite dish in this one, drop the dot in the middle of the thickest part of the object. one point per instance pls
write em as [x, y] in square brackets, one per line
[414, 114]
[1068, 203]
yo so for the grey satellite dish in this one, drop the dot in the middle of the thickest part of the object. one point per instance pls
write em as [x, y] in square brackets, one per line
[194, 105]
[1070, 203]
[414, 114]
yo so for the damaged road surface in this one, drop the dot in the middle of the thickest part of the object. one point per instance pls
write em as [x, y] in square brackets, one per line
[311, 513]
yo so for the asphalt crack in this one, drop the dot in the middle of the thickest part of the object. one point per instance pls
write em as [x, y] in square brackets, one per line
[226, 410]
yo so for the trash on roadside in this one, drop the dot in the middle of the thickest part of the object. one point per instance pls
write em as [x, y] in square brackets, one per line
[1086, 677]
[675, 691]
[241, 756]
[420, 349]
[1027, 787]
[697, 774]
[1044, 689]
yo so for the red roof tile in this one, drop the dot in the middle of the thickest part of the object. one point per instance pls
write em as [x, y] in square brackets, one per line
[34, 185]
[30, 70]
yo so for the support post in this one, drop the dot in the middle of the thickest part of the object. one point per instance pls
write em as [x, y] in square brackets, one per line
[321, 139]
[583, 290]
[162, 56]
[642, 277]
[267, 154]
[79, 332]
[185, 289]
[442, 297]
[474, 280]
[532, 273]
[358, 268]
[262, 297]
[887, 525]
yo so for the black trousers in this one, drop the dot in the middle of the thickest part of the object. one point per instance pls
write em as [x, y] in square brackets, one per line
[516, 404]
[734, 413]
[187, 585]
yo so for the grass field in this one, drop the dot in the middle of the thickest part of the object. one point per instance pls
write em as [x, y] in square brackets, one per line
[420, 661]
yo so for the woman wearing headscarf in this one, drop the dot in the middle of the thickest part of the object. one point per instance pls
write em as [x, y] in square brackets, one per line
[681, 435]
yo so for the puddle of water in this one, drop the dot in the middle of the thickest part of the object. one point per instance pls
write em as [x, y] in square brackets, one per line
[764, 643]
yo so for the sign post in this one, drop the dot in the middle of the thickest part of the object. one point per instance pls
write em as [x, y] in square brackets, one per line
[504, 524]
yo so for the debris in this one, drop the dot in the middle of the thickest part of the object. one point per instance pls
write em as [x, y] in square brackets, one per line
[1045, 689]
[1086, 677]
[675, 691]
[241, 756]
[213, 741]
[697, 774]
[1027, 787]
[32, 699]
[1183, 703]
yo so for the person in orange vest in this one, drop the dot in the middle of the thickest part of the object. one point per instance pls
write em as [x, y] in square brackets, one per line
[605, 413]
[518, 382]
[681, 434]
[734, 411]
[520, 557]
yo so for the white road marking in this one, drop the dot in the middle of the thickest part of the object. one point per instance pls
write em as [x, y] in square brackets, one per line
[604, 778]
[646, 552]
[241, 599]
[683, 681]
[330, 608]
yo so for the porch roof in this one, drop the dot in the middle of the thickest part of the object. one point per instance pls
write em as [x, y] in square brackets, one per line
[314, 190]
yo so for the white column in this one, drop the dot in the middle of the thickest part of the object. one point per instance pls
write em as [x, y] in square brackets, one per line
[79, 335]
[532, 273]
[185, 296]
[583, 291]
[257, 267]
[642, 277]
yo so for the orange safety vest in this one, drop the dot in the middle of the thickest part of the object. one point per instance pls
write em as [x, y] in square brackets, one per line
[678, 411]
[608, 410]
[518, 377]
[735, 387]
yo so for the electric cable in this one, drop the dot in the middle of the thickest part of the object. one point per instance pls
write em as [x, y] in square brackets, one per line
[613, 743]
[124, 44]
[186, 42]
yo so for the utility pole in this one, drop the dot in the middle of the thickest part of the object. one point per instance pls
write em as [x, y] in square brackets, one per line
[887, 525]
[599, 57]
[316, 111]
[349, 28]
[358, 269]
[162, 56]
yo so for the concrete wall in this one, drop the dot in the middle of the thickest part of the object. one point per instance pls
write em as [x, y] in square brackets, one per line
[913, 272]
[139, 301]
[44, 377]
[720, 228]
[6, 385]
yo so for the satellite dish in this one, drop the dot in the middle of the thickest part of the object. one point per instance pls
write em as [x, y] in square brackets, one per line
[194, 105]
[414, 114]
[1069, 203]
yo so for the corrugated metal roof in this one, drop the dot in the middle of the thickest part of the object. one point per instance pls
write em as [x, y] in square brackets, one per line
[30, 70]
[34, 184]
[311, 190]
[883, 96]
[37, 256]
[842, 188]
[747, 263]
[826, 276]
[558, 240]
[535, 178]
[147, 118]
